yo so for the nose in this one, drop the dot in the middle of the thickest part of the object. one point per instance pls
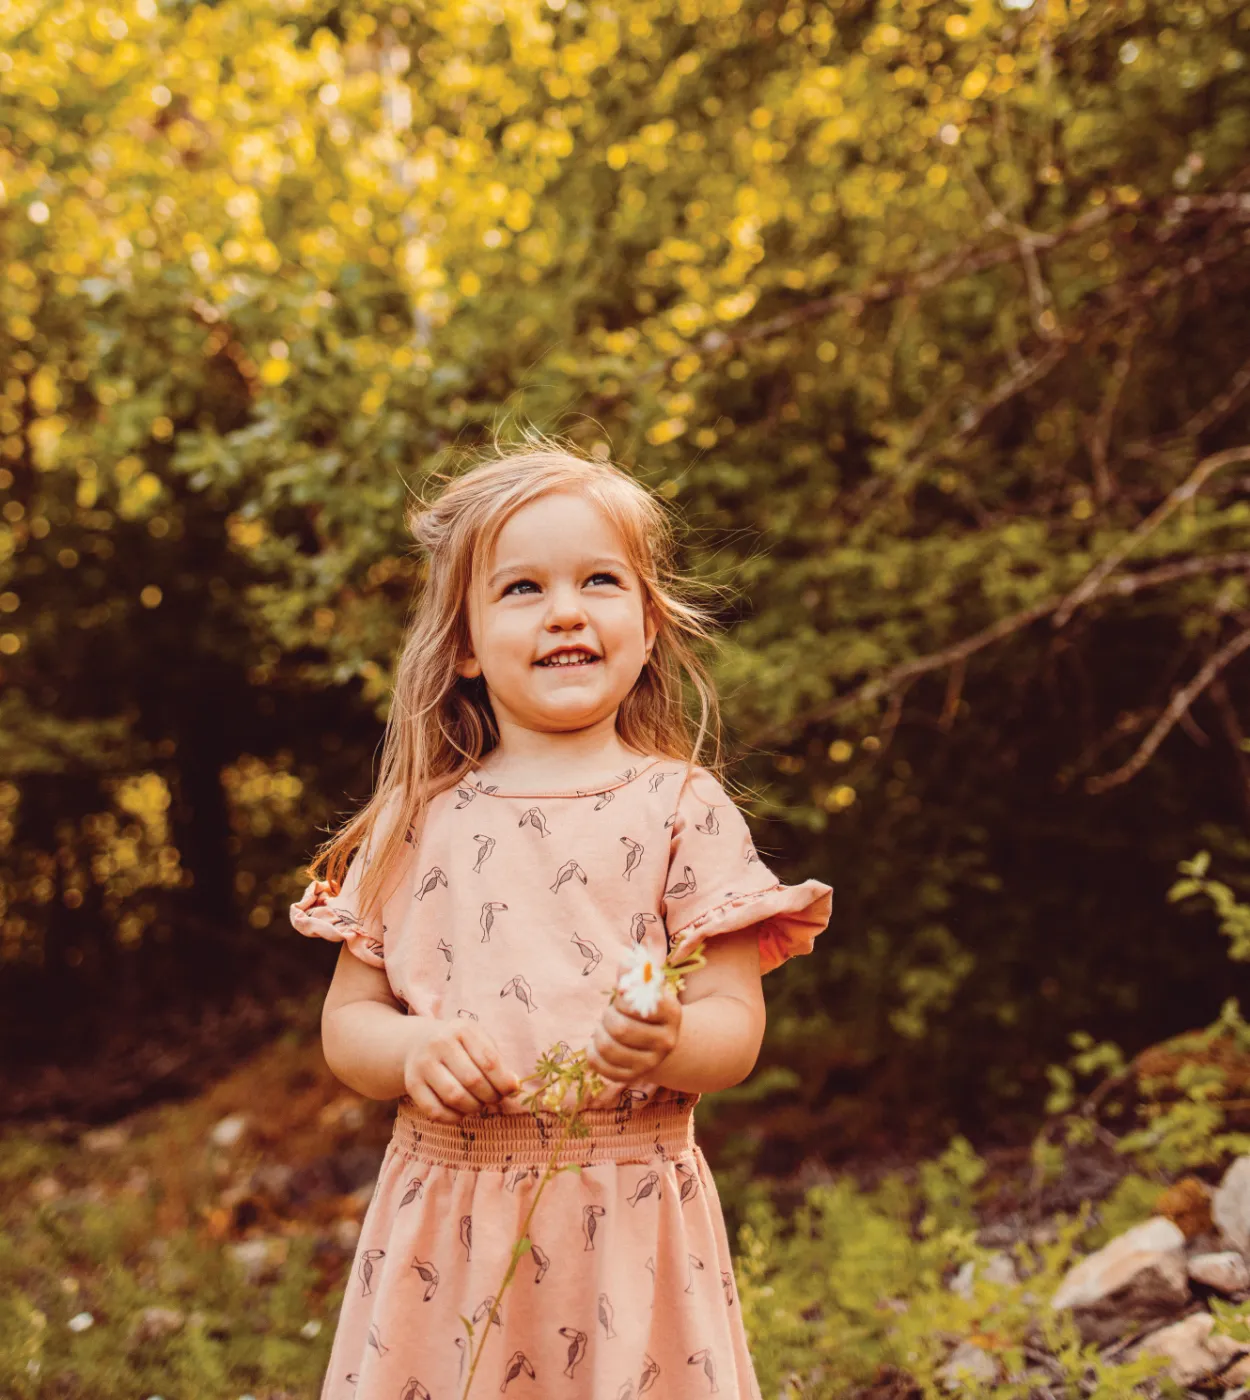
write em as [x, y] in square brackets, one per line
[565, 609]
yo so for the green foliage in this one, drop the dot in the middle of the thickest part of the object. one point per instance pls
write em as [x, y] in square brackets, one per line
[918, 313]
[847, 1288]
[1182, 1107]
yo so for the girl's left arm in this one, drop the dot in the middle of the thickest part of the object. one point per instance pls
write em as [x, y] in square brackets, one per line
[722, 1018]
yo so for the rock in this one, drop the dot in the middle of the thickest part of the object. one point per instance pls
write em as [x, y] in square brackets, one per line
[1140, 1277]
[1230, 1206]
[967, 1363]
[998, 1268]
[154, 1323]
[1226, 1272]
[1001, 1269]
[104, 1139]
[228, 1131]
[1192, 1349]
[260, 1260]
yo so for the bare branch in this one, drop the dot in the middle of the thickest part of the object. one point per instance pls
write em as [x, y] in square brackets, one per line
[1207, 417]
[1223, 701]
[1186, 491]
[1177, 706]
[1101, 437]
[902, 676]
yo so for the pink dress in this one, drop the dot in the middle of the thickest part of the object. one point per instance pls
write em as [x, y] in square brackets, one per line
[516, 909]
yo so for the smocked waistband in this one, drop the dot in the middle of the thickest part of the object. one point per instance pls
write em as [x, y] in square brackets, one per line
[660, 1129]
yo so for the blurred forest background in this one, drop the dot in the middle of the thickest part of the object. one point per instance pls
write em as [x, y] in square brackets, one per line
[928, 317]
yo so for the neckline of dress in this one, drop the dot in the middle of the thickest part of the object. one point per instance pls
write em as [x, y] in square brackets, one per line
[473, 775]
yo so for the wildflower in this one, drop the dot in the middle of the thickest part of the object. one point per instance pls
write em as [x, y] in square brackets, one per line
[642, 983]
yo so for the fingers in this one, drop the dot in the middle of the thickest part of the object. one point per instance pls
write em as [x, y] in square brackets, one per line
[429, 1105]
[483, 1052]
[450, 1092]
[478, 1083]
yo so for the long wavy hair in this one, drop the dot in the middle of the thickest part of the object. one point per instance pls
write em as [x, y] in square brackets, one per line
[441, 724]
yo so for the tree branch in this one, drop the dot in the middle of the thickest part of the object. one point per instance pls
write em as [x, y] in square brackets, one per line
[1177, 706]
[903, 675]
[1175, 499]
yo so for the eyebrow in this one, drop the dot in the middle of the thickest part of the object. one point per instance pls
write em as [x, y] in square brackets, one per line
[523, 570]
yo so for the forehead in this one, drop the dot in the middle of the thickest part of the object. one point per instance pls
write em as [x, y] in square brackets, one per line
[556, 529]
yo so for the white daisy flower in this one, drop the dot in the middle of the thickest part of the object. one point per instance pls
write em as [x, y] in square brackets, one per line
[641, 984]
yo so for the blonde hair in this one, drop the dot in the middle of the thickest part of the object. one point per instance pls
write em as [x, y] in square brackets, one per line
[440, 723]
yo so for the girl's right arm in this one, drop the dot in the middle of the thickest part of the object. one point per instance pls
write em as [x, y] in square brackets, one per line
[447, 1068]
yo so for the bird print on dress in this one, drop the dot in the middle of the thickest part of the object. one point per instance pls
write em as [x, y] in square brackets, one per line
[577, 1347]
[605, 1314]
[520, 988]
[416, 1187]
[704, 1357]
[414, 1390]
[727, 1283]
[670, 821]
[633, 856]
[472, 1015]
[488, 1307]
[648, 1184]
[462, 1345]
[625, 1102]
[429, 1276]
[487, 921]
[638, 928]
[485, 845]
[445, 948]
[695, 1263]
[689, 1182]
[367, 1260]
[588, 950]
[568, 871]
[374, 1339]
[543, 1262]
[684, 886]
[657, 779]
[604, 799]
[709, 825]
[430, 880]
[519, 1174]
[520, 1362]
[466, 795]
[533, 816]
[590, 1218]
[649, 1372]
[749, 853]
[466, 1236]
[626, 1391]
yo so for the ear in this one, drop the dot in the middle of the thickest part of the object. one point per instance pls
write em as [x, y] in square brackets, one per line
[469, 666]
[650, 628]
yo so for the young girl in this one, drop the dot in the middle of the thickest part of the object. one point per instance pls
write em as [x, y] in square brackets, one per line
[539, 814]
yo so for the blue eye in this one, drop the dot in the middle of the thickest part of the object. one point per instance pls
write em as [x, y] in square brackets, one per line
[516, 583]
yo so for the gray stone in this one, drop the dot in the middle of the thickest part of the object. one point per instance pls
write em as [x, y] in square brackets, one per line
[1230, 1206]
[1226, 1272]
[1139, 1277]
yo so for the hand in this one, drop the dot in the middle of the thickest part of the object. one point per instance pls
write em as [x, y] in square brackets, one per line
[626, 1046]
[453, 1068]
[317, 894]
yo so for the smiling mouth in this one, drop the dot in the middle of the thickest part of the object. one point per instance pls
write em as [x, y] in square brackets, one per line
[566, 661]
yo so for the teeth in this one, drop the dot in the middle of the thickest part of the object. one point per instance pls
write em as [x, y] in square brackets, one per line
[568, 659]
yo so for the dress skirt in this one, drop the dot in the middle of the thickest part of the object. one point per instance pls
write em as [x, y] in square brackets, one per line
[627, 1289]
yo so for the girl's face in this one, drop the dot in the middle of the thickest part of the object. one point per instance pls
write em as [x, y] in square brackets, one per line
[557, 582]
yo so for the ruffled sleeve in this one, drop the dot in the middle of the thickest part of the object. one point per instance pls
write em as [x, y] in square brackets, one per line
[718, 884]
[323, 914]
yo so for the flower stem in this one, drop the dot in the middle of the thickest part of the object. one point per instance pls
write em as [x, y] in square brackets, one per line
[552, 1169]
